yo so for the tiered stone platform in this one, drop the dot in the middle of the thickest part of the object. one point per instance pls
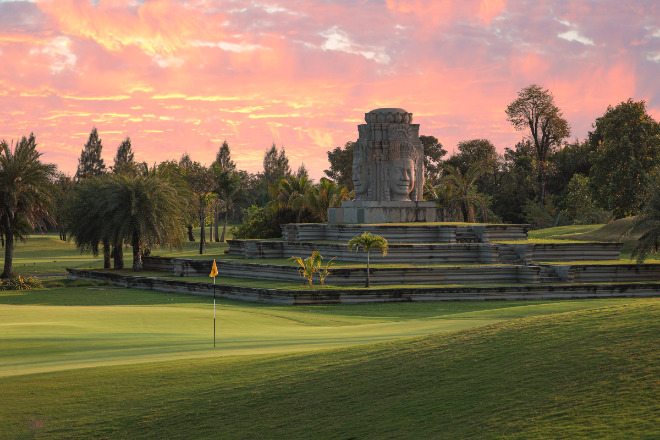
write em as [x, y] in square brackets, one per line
[422, 255]
[423, 244]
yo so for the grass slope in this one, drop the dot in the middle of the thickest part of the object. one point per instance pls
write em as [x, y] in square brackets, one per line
[46, 254]
[568, 369]
[78, 327]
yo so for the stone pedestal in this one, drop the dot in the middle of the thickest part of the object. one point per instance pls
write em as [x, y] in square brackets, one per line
[363, 211]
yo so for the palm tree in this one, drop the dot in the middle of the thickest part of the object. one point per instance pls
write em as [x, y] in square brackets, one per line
[228, 185]
[460, 193]
[290, 193]
[368, 241]
[324, 195]
[26, 191]
[648, 222]
[85, 217]
[145, 210]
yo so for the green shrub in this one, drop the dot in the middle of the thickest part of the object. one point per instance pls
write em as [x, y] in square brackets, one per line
[20, 283]
[265, 222]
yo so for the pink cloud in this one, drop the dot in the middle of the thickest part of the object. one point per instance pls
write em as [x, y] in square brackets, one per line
[181, 77]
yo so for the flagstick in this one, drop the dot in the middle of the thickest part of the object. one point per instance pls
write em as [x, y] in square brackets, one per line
[213, 312]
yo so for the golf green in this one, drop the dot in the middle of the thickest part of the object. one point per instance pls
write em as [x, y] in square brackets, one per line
[78, 327]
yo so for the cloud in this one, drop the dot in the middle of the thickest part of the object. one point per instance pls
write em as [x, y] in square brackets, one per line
[337, 40]
[60, 53]
[574, 35]
[180, 76]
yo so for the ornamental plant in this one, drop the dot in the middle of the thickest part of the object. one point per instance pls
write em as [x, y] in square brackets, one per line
[368, 241]
[311, 265]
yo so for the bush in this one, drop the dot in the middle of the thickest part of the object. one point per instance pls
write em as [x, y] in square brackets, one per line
[258, 223]
[20, 283]
[265, 222]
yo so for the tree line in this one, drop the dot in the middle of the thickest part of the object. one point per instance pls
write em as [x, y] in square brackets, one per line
[544, 180]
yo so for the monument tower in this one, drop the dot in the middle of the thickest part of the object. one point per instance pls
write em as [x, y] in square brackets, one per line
[388, 173]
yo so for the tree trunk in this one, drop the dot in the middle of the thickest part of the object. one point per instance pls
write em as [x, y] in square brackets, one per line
[118, 251]
[191, 236]
[368, 277]
[211, 229]
[224, 227]
[9, 257]
[216, 220]
[106, 254]
[542, 182]
[202, 232]
[137, 253]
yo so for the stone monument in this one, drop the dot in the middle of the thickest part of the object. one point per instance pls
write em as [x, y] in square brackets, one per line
[388, 173]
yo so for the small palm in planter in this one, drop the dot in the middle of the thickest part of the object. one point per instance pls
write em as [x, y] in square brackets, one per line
[368, 241]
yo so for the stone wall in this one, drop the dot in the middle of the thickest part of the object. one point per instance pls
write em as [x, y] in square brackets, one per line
[430, 253]
[354, 276]
[413, 233]
[403, 294]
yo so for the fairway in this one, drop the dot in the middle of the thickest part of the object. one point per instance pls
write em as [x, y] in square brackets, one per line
[78, 327]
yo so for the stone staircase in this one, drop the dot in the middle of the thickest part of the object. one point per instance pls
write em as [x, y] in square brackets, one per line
[466, 235]
[508, 255]
[548, 274]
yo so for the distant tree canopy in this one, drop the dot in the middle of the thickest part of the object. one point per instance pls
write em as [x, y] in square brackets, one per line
[626, 157]
[91, 163]
[433, 154]
[341, 165]
[276, 165]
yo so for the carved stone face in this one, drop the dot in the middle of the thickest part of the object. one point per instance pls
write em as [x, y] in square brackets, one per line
[361, 181]
[402, 174]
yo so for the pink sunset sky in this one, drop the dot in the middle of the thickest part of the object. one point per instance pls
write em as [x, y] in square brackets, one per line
[182, 76]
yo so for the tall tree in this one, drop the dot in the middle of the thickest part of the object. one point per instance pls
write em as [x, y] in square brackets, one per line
[90, 163]
[63, 184]
[433, 154]
[145, 210]
[125, 158]
[341, 165]
[227, 187]
[627, 143]
[535, 110]
[26, 192]
[276, 165]
[201, 184]
[223, 158]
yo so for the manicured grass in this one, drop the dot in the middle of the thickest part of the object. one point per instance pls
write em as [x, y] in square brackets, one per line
[615, 231]
[46, 254]
[74, 327]
[560, 231]
[562, 369]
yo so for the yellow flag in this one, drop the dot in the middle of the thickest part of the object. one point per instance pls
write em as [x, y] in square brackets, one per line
[214, 270]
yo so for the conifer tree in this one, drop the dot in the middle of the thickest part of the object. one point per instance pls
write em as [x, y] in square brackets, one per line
[223, 158]
[90, 163]
[125, 158]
